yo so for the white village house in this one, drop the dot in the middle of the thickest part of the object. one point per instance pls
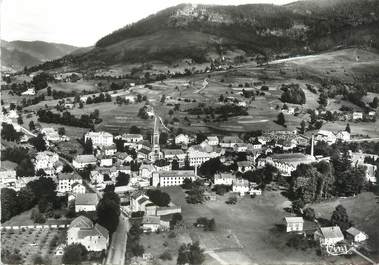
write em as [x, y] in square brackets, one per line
[92, 237]
[99, 138]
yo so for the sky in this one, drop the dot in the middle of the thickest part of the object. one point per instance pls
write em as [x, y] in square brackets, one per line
[83, 22]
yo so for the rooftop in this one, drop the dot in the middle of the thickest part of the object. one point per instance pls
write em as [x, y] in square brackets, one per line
[331, 232]
[81, 222]
[85, 159]
[294, 219]
[86, 199]
[177, 173]
[62, 176]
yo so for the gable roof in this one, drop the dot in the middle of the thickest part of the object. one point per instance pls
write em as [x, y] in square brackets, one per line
[353, 231]
[294, 219]
[86, 199]
[81, 222]
[331, 232]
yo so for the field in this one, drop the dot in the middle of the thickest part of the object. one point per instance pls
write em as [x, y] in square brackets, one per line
[363, 210]
[246, 233]
[190, 92]
[32, 243]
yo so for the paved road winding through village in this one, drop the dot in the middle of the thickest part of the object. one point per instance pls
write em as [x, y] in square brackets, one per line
[116, 252]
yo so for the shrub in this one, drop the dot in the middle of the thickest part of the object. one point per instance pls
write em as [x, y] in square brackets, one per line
[166, 255]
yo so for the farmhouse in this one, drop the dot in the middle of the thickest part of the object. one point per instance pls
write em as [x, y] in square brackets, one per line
[325, 136]
[81, 161]
[154, 223]
[224, 179]
[329, 235]
[99, 138]
[66, 181]
[47, 161]
[92, 237]
[139, 202]
[294, 224]
[241, 186]
[357, 115]
[78, 188]
[51, 134]
[172, 178]
[356, 235]
[343, 136]
[230, 141]
[29, 92]
[212, 140]
[131, 138]
[86, 202]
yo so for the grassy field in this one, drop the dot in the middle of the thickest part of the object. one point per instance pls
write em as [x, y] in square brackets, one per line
[247, 233]
[363, 210]
[32, 242]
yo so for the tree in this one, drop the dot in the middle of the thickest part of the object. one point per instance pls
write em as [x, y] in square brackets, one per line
[122, 179]
[25, 168]
[231, 200]
[302, 127]
[134, 129]
[190, 254]
[61, 131]
[375, 103]
[175, 165]
[38, 142]
[74, 254]
[340, 218]
[158, 197]
[88, 146]
[163, 98]
[108, 211]
[32, 126]
[348, 128]
[9, 133]
[281, 120]
[9, 206]
[297, 206]
[20, 120]
[309, 214]
[163, 138]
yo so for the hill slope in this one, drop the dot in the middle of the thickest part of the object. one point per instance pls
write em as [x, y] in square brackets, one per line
[17, 54]
[202, 32]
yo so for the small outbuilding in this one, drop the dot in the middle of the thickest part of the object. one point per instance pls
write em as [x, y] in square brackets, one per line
[356, 235]
[294, 224]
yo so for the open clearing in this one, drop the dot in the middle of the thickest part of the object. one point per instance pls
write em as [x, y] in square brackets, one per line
[246, 232]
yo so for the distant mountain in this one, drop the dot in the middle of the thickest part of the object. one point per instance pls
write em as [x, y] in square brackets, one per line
[17, 54]
[203, 32]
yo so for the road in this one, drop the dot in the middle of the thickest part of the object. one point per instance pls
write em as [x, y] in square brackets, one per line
[116, 252]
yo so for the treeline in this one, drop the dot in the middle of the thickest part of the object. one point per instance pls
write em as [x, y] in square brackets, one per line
[323, 180]
[9, 133]
[66, 118]
[39, 192]
[292, 93]
[20, 156]
[100, 98]
[228, 110]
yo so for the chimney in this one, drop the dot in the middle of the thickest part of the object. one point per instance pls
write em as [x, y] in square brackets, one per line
[312, 145]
